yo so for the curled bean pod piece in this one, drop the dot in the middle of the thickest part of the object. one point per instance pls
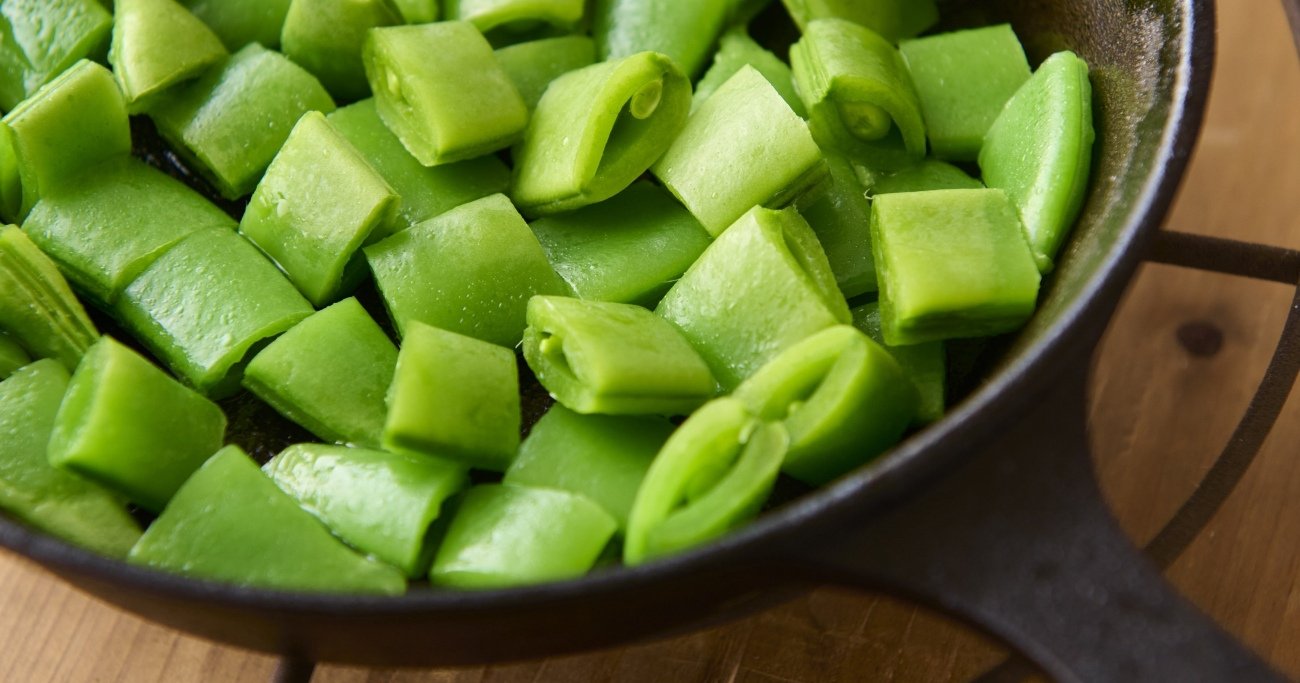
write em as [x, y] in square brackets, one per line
[36, 304]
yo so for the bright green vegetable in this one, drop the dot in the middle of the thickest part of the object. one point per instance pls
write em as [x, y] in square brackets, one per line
[43, 38]
[922, 177]
[712, 475]
[316, 205]
[418, 11]
[601, 457]
[129, 426]
[628, 249]
[471, 270]
[379, 503]
[613, 359]
[1040, 151]
[37, 306]
[737, 50]
[50, 499]
[743, 147]
[456, 397]
[685, 30]
[425, 192]
[422, 95]
[507, 15]
[510, 535]
[926, 365]
[241, 22]
[326, 36]
[534, 64]
[330, 374]
[12, 356]
[762, 286]
[231, 121]
[859, 95]
[963, 80]
[842, 221]
[157, 44]
[231, 523]
[106, 227]
[892, 19]
[952, 263]
[598, 129]
[202, 305]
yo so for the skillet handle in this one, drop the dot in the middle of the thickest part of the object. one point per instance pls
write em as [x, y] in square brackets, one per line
[1018, 541]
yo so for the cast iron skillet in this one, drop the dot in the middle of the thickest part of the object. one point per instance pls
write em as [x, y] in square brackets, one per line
[992, 514]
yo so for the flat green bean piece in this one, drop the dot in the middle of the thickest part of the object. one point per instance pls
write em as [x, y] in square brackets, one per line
[129, 426]
[742, 148]
[455, 397]
[330, 374]
[105, 228]
[892, 19]
[534, 64]
[241, 22]
[33, 52]
[205, 303]
[76, 120]
[37, 306]
[33, 490]
[418, 11]
[425, 191]
[926, 365]
[737, 50]
[515, 15]
[952, 263]
[598, 129]
[613, 359]
[230, 523]
[379, 503]
[859, 95]
[422, 96]
[231, 121]
[602, 457]
[629, 249]
[685, 30]
[963, 80]
[737, 457]
[11, 184]
[471, 270]
[157, 44]
[1040, 152]
[930, 174]
[842, 221]
[12, 356]
[759, 288]
[510, 535]
[317, 204]
[326, 36]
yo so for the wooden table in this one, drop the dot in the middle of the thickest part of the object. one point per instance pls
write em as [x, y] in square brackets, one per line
[1160, 415]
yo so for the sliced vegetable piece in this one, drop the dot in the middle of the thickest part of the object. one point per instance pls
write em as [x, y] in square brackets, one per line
[926, 365]
[685, 30]
[858, 92]
[242, 22]
[613, 359]
[842, 221]
[12, 356]
[516, 15]
[762, 286]
[602, 457]
[128, 425]
[963, 80]
[737, 50]
[231, 121]
[50, 499]
[43, 38]
[628, 249]
[456, 397]
[326, 36]
[418, 76]
[596, 130]
[892, 19]
[952, 263]
[471, 270]
[743, 147]
[534, 64]
[425, 191]
[379, 503]
[1040, 151]
[202, 306]
[330, 374]
[230, 523]
[157, 44]
[316, 205]
[418, 11]
[510, 535]
[927, 175]
[722, 446]
[106, 227]
[37, 306]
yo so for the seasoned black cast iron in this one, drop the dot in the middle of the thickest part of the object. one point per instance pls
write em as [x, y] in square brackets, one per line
[993, 514]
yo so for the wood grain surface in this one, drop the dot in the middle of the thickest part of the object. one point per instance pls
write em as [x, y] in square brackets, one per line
[1162, 409]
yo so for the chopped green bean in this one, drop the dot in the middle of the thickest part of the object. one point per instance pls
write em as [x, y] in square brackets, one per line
[506, 15]
[737, 50]
[926, 365]
[44, 38]
[326, 36]
[37, 306]
[842, 221]
[685, 30]
[242, 22]
[892, 19]
[534, 64]
[157, 44]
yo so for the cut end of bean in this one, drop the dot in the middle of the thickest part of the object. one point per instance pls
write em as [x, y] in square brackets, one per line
[646, 100]
[866, 121]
